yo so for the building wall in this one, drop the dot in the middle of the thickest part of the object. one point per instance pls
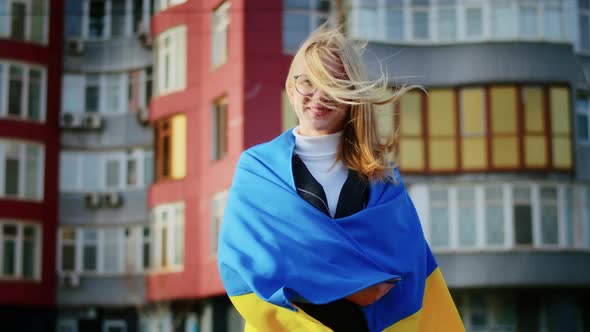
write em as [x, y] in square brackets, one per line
[48, 56]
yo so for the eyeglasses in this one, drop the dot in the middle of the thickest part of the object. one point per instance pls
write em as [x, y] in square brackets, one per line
[304, 86]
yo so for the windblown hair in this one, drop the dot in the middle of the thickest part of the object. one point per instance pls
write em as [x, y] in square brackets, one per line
[361, 149]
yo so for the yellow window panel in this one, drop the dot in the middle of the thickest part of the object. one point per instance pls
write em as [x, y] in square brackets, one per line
[560, 110]
[441, 112]
[503, 108]
[411, 154]
[411, 113]
[288, 116]
[178, 123]
[443, 153]
[472, 110]
[535, 151]
[562, 152]
[384, 120]
[505, 152]
[534, 121]
[473, 153]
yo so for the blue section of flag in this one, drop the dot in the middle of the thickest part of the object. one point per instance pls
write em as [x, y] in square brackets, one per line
[277, 245]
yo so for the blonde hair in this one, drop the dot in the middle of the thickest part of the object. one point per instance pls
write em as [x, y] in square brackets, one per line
[360, 149]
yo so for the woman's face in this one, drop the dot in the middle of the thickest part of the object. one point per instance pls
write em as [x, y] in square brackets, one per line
[317, 113]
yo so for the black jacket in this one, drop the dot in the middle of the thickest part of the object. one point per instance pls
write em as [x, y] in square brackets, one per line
[341, 315]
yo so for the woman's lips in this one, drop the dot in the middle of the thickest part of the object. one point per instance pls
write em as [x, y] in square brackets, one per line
[319, 111]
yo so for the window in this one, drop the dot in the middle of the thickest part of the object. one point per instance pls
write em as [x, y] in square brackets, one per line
[114, 326]
[217, 206]
[549, 223]
[500, 128]
[494, 216]
[447, 20]
[103, 250]
[20, 250]
[473, 129]
[68, 249]
[219, 34]
[219, 129]
[97, 171]
[21, 170]
[168, 241]
[24, 94]
[104, 93]
[584, 22]
[105, 19]
[170, 58]
[171, 148]
[300, 18]
[67, 325]
[24, 20]
[560, 127]
[583, 118]
[442, 133]
[466, 215]
[487, 312]
[522, 215]
[411, 143]
[89, 250]
[504, 127]
[535, 143]
[502, 19]
[420, 19]
[439, 220]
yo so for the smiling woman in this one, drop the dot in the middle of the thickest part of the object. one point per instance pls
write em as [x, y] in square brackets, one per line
[319, 233]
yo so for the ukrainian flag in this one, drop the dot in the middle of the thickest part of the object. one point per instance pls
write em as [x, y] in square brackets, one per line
[275, 248]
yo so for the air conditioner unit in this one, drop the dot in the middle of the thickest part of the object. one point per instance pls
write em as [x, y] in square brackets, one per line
[71, 280]
[92, 121]
[69, 120]
[143, 115]
[92, 200]
[113, 199]
[75, 47]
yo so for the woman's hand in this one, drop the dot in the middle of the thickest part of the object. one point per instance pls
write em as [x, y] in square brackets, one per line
[370, 294]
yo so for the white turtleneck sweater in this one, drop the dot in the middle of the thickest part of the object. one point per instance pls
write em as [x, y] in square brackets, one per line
[319, 155]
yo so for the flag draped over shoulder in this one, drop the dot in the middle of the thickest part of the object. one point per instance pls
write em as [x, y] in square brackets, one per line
[276, 248]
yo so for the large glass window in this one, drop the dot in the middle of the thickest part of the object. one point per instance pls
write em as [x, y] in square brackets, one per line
[24, 96]
[487, 128]
[24, 20]
[487, 312]
[439, 218]
[88, 171]
[20, 250]
[583, 118]
[219, 129]
[21, 170]
[301, 17]
[584, 24]
[171, 60]
[219, 34]
[103, 19]
[522, 216]
[171, 148]
[419, 21]
[104, 250]
[505, 215]
[168, 246]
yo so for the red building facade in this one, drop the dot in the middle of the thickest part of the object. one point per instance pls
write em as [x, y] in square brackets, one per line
[30, 76]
